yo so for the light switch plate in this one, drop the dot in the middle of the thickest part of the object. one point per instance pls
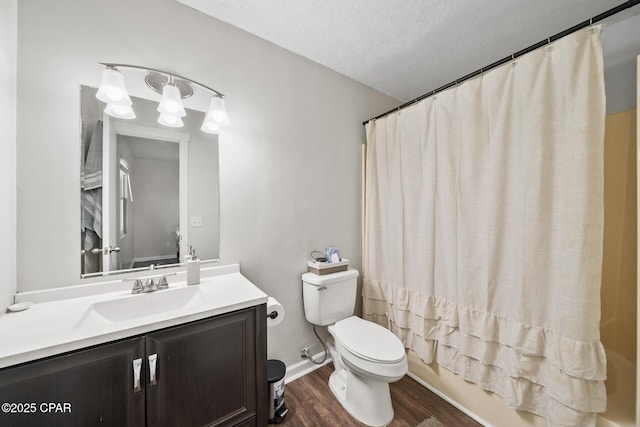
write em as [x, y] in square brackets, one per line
[196, 221]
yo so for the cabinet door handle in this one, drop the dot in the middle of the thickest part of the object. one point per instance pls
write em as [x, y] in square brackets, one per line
[153, 359]
[137, 369]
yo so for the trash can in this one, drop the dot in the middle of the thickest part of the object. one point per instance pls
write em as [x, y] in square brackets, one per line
[276, 370]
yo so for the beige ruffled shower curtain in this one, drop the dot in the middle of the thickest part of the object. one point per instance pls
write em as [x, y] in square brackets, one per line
[483, 229]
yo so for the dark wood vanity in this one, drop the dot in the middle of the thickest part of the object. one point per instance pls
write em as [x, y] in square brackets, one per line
[210, 372]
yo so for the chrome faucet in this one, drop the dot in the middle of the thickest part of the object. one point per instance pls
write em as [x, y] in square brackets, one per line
[162, 283]
[150, 285]
[137, 287]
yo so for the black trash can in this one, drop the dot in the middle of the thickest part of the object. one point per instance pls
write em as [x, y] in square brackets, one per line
[276, 370]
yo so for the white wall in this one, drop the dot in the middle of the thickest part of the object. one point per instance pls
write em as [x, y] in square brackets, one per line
[289, 161]
[8, 43]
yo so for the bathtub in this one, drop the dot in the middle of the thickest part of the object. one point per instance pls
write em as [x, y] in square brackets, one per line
[489, 409]
[621, 393]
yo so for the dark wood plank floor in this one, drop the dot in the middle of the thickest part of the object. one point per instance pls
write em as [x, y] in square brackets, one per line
[311, 404]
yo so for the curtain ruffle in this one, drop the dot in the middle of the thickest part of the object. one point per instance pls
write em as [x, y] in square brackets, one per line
[530, 367]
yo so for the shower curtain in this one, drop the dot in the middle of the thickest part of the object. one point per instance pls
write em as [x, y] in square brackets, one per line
[483, 229]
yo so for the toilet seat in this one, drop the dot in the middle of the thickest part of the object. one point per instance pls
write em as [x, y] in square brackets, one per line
[369, 349]
[369, 341]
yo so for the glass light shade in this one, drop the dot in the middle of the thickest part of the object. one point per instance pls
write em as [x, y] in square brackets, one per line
[218, 111]
[120, 111]
[171, 121]
[112, 89]
[209, 126]
[171, 102]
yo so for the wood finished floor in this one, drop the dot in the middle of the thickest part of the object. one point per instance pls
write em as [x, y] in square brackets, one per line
[311, 404]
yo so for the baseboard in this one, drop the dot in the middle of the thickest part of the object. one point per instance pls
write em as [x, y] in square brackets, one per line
[449, 400]
[304, 367]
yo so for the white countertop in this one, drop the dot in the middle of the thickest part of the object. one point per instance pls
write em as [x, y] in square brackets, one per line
[49, 328]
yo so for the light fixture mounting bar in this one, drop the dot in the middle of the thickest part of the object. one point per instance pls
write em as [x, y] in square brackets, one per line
[138, 67]
[156, 81]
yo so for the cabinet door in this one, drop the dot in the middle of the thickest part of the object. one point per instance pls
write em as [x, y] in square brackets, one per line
[249, 423]
[85, 388]
[205, 372]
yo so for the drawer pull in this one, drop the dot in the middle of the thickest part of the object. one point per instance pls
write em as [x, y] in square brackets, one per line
[153, 358]
[137, 368]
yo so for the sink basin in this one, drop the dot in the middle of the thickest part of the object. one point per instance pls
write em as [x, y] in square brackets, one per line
[133, 307]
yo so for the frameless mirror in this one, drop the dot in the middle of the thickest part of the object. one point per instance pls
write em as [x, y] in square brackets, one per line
[148, 192]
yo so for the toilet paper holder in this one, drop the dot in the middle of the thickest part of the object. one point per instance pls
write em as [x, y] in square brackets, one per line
[275, 312]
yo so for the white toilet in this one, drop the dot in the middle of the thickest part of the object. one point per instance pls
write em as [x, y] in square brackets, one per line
[366, 356]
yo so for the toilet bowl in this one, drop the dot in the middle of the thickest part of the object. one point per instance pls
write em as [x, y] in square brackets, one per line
[366, 356]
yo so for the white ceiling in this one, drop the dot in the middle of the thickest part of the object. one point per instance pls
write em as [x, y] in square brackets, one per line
[403, 48]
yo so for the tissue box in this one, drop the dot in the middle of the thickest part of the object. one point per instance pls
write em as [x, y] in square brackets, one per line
[321, 268]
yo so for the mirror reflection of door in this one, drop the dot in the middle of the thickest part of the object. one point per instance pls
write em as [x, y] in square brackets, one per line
[144, 215]
[112, 210]
[145, 229]
[148, 215]
[142, 218]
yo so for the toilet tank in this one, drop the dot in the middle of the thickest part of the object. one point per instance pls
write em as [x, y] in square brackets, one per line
[329, 297]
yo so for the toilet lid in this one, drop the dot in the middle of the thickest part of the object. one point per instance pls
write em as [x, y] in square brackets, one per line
[368, 340]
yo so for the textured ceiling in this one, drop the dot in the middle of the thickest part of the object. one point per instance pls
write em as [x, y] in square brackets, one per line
[403, 48]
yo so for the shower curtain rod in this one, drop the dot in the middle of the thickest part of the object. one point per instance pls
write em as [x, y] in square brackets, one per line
[588, 22]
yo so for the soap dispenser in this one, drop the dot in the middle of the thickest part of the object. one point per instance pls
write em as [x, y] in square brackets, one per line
[193, 267]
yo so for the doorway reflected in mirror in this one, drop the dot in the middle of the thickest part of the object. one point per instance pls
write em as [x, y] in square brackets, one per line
[136, 197]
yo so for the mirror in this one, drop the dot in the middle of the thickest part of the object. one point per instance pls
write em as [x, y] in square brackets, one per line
[148, 192]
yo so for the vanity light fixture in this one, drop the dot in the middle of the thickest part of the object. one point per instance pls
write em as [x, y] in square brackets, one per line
[120, 111]
[170, 108]
[209, 126]
[217, 111]
[173, 89]
[171, 102]
[112, 89]
[216, 116]
[170, 120]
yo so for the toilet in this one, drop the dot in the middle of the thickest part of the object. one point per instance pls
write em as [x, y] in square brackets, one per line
[366, 356]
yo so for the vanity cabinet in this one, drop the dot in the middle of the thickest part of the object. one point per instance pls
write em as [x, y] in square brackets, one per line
[210, 372]
[92, 387]
[207, 373]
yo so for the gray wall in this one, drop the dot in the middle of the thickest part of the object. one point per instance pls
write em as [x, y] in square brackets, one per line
[8, 43]
[621, 46]
[157, 205]
[289, 161]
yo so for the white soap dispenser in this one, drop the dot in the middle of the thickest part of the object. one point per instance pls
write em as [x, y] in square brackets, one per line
[193, 267]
